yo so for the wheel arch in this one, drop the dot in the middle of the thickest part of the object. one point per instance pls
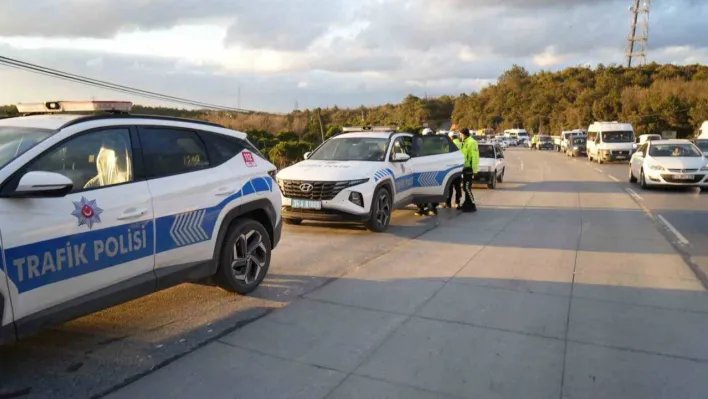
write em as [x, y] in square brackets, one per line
[260, 210]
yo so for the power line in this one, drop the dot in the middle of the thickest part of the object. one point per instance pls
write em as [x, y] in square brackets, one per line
[33, 68]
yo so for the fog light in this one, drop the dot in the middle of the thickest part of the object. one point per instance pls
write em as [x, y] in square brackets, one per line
[356, 198]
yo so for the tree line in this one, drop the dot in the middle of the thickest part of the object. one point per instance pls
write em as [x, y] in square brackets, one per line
[653, 98]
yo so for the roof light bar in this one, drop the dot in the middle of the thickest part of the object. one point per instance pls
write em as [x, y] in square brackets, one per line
[74, 106]
[369, 129]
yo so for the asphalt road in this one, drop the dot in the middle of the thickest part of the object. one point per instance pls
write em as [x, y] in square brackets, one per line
[682, 212]
[535, 213]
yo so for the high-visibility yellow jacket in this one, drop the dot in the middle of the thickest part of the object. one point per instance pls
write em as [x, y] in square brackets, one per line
[470, 149]
[457, 142]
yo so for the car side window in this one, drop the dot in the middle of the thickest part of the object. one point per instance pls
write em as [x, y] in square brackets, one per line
[92, 160]
[399, 146]
[170, 152]
[222, 148]
[436, 145]
[500, 153]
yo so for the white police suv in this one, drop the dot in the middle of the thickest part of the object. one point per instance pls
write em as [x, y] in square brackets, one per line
[100, 209]
[362, 174]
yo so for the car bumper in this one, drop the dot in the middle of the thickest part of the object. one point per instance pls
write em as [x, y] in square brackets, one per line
[545, 146]
[659, 178]
[579, 152]
[483, 176]
[324, 215]
[339, 208]
[616, 157]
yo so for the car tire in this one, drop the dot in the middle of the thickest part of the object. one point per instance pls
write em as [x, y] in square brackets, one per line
[642, 180]
[292, 222]
[381, 208]
[632, 179]
[703, 189]
[244, 258]
[493, 182]
[501, 176]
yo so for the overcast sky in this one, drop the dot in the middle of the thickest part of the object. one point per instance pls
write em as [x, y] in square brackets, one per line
[321, 52]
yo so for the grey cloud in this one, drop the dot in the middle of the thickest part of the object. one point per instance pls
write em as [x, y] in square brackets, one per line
[89, 18]
[284, 24]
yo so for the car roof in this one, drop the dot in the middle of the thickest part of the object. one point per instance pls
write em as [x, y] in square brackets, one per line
[377, 134]
[59, 121]
[51, 121]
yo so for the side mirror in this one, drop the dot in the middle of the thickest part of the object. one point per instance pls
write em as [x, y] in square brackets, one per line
[307, 155]
[42, 184]
[399, 157]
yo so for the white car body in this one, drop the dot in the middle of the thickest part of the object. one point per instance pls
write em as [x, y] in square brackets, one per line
[492, 166]
[70, 248]
[611, 149]
[654, 170]
[418, 178]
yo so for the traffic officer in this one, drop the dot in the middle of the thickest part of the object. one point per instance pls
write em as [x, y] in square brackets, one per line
[470, 150]
[534, 142]
[456, 186]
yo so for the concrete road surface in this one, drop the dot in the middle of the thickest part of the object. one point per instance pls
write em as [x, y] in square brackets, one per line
[563, 285]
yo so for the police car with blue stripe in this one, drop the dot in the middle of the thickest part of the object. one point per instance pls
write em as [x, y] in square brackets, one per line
[102, 208]
[364, 173]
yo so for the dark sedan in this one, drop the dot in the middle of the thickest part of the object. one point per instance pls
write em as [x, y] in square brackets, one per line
[577, 147]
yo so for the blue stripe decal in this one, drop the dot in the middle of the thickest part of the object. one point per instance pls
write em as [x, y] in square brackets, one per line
[422, 179]
[38, 264]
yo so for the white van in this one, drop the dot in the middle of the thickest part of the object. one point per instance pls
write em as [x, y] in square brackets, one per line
[521, 135]
[610, 142]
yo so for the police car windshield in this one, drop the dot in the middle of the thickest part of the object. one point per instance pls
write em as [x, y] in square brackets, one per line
[352, 149]
[15, 141]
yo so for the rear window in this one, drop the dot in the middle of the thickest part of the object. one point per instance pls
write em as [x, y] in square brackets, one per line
[486, 151]
[15, 141]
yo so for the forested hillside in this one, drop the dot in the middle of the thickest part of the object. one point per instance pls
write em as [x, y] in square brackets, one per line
[653, 98]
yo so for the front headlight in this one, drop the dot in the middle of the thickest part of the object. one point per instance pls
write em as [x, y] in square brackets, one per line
[704, 168]
[576, 148]
[656, 167]
[356, 182]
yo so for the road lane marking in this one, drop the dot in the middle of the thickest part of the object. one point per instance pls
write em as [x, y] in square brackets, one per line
[673, 229]
[613, 178]
[599, 170]
[633, 193]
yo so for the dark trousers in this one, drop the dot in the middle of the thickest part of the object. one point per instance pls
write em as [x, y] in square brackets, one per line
[456, 188]
[467, 178]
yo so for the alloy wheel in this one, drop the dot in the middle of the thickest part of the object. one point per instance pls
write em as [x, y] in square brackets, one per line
[383, 208]
[249, 256]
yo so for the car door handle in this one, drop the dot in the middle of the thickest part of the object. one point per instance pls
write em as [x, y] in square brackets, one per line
[132, 213]
[225, 191]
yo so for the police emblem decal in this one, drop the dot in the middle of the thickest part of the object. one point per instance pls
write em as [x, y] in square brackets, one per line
[87, 212]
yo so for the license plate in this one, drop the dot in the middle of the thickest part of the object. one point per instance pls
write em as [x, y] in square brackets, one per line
[305, 204]
[621, 157]
[683, 177]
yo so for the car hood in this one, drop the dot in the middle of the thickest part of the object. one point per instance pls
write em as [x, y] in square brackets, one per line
[680, 162]
[330, 170]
